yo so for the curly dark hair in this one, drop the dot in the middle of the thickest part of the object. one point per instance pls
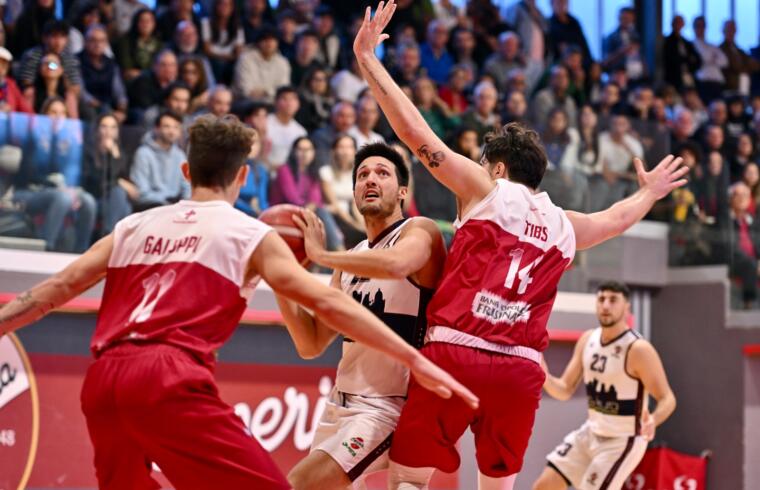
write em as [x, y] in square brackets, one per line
[219, 147]
[520, 150]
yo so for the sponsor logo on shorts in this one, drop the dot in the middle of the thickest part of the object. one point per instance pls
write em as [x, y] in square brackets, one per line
[495, 309]
[592, 478]
[353, 445]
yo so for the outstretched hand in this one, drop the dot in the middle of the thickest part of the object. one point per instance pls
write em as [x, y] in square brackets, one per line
[313, 233]
[440, 382]
[370, 33]
[664, 178]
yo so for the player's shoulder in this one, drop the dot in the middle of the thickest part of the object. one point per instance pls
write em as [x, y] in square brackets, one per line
[421, 223]
[584, 338]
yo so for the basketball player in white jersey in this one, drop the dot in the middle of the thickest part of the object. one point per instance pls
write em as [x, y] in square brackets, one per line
[487, 319]
[393, 273]
[620, 370]
[178, 279]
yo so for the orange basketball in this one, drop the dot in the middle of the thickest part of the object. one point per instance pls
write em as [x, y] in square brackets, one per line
[280, 217]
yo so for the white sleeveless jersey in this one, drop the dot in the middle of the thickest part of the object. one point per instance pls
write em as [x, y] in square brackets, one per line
[615, 398]
[401, 305]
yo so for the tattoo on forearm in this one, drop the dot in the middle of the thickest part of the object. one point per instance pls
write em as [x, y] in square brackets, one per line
[433, 158]
[374, 78]
[30, 305]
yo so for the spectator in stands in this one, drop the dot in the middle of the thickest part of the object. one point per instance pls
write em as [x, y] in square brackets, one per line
[710, 79]
[515, 108]
[178, 11]
[176, 98]
[297, 182]
[588, 142]
[103, 89]
[565, 31]
[105, 173]
[453, 92]
[49, 81]
[262, 70]
[609, 101]
[124, 12]
[11, 98]
[282, 128]
[464, 51]
[435, 111]
[329, 52]
[287, 28]
[447, 13]
[714, 139]
[156, 169]
[683, 127]
[737, 119]
[48, 181]
[751, 177]
[743, 156]
[531, 26]
[564, 180]
[555, 95]
[504, 60]
[316, 100]
[740, 64]
[136, 49]
[219, 101]
[255, 114]
[54, 38]
[622, 48]
[88, 16]
[407, 67]
[338, 190]
[744, 243]
[348, 83]
[434, 57]
[254, 195]
[690, 100]
[256, 14]
[367, 117]
[223, 39]
[147, 89]
[483, 116]
[342, 118]
[305, 59]
[29, 29]
[192, 74]
[712, 199]
[617, 149]
[680, 59]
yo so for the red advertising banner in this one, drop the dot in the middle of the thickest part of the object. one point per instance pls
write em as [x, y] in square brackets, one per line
[665, 469]
[43, 436]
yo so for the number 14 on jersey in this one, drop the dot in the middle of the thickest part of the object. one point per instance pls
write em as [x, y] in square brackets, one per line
[521, 273]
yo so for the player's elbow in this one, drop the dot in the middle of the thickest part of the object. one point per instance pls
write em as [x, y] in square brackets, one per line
[309, 351]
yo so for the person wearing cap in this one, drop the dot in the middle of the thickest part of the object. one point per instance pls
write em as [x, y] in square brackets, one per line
[261, 70]
[55, 36]
[11, 99]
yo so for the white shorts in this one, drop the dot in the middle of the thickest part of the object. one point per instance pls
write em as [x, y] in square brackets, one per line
[356, 431]
[590, 462]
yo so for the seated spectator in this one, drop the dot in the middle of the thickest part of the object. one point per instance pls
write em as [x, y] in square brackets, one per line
[348, 83]
[11, 98]
[223, 39]
[255, 115]
[338, 190]
[609, 102]
[135, 49]
[588, 141]
[148, 89]
[176, 98]
[592, 87]
[124, 12]
[466, 53]
[48, 181]
[744, 243]
[688, 244]
[737, 120]
[254, 195]
[342, 118]
[555, 95]
[262, 70]
[435, 112]
[329, 45]
[712, 201]
[564, 180]
[617, 149]
[483, 116]
[282, 128]
[751, 177]
[88, 16]
[531, 26]
[178, 11]
[187, 44]
[29, 29]
[192, 74]
[49, 81]
[297, 183]
[714, 139]
[305, 60]
[105, 174]
[434, 57]
[256, 14]
[743, 156]
[407, 67]
[691, 101]
[219, 101]
[367, 117]
[103, 89]
[515, 108]
[54, 39]
[156, 169]
[316, 100]
[504, 60]
[453, 93]
[682, 128]
[288, 28]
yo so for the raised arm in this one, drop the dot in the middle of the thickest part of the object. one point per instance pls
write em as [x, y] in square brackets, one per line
[78, 277]
[276, 264]
[563, 387]
[593, 229]
[461, 175]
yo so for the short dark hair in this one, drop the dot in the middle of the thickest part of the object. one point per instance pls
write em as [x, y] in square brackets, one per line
[385, 151]
[615, 287]
[520, 150]
[218, 147]
[178, 85]
[168, 113]
[55, 26]
[266, 32]
[285, 89]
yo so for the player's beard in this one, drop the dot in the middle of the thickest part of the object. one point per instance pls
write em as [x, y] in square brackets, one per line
[377, 210]
[611, 322]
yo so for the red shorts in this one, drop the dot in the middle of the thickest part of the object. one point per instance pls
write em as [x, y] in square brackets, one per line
[509, 389]
[156, 403]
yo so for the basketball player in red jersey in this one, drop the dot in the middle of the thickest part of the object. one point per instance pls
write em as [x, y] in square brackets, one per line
[178, 279]
[487, 320]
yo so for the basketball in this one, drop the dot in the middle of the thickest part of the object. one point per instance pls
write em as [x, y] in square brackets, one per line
[280, 217]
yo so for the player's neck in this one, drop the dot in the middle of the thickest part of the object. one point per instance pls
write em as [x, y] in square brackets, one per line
[203, 194]
[610, 333]
[377, 225]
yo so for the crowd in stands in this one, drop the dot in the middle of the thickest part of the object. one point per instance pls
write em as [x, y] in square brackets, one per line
[95, 108]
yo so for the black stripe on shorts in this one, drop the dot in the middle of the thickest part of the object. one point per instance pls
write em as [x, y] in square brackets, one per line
[362, 465]
[615, 467]
[559, 472]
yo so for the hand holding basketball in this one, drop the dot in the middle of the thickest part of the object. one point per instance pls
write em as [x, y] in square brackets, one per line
[313, 233]
[282, 218]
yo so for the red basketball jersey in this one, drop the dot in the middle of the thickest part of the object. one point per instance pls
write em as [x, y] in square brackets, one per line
[176, 276]
[501, 274]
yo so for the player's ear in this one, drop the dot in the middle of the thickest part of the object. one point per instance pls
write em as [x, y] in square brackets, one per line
[499, 170]
[402, 192]
[186, 171]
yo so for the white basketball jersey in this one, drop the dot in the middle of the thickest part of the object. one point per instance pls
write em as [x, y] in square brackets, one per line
[615, 398]
[401, 305]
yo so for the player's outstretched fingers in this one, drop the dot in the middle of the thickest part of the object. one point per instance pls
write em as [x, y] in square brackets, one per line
[299, 221]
